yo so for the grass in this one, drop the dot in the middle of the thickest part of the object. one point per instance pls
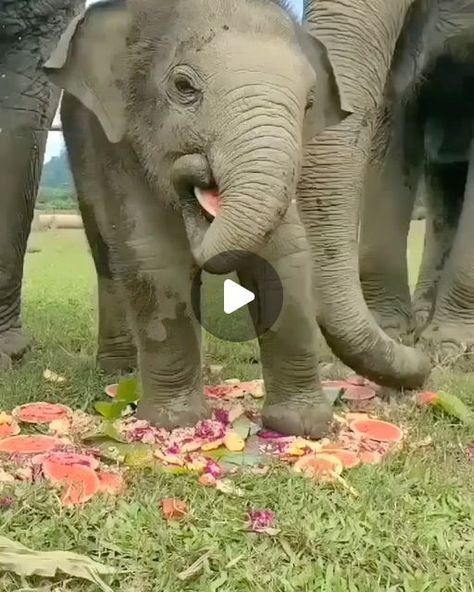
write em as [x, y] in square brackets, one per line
[410, 530]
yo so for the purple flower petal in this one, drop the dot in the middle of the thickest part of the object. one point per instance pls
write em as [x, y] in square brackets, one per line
[212, 468]
[222, 416]
[261, 520]
[268, 435]
[6, 502]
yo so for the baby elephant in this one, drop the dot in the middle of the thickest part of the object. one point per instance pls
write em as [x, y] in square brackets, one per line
[168, 103]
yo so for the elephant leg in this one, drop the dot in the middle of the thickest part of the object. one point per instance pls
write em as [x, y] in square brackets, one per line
[295, 403]
[444, 194]
[23, 120]
[21, 155]
[390, 191]
[451, 329]
[156, 269]
[116, 350]
[27, 105]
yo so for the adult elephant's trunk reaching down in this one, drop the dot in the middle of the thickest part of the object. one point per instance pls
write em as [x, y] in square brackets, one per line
[360, 41]
[329, 196]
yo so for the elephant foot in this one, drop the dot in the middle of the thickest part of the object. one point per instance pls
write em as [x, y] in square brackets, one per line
[449, 343]
[5, 362]
[116, 364]
[422, 313]
[179, 413]
[421, 317]
[398, 327]
[116, 358]
[307, 415]
[14, 343]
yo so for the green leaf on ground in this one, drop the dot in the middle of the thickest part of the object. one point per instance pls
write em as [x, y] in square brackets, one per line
[133, 455]
[242, 459]
[453, 405]
[111, 410]
[16, 558]
[127, 391]
[106, 431]
[242, 427]
[140, 455]
[332, 394]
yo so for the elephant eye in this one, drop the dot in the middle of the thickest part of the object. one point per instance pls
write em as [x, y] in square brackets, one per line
[184, 89]
[309, 104]
[183, 85]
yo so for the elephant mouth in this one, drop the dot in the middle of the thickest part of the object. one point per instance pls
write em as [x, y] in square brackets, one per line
[209, 200]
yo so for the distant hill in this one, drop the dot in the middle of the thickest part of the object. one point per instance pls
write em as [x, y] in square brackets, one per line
[56, 172]
[56, 186]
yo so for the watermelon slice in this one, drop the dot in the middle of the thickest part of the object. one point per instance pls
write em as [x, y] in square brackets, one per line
[334, 384]
[375, 429]
[356, 380]
[321, 465]
[348, 458]
[358, 393]
[110, 483]
[67, 458]
[29, 444]
[41, 412]
[9, 429]
[80, 482]
[426, 398]
[111, 390]
[370, 457]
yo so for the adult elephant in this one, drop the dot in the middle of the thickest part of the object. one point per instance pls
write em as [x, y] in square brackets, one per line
[185, 147]
[361, 38]
[443, 306]
[423, 130]
[29, 30]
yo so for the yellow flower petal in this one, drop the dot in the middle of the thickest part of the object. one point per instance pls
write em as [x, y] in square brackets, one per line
[5, 418]
[51, 376]
[233, 442]
[212, 445]
[170, 459]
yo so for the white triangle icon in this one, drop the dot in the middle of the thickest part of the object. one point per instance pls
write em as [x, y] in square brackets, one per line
[235, 296]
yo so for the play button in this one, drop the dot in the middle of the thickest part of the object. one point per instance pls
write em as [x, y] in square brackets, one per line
[235, 296]
[239, 306]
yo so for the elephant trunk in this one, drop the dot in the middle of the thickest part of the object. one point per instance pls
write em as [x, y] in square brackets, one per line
[329, 192]
[255, 165]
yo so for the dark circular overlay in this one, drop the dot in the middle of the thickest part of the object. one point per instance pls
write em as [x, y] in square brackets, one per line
[251, 320]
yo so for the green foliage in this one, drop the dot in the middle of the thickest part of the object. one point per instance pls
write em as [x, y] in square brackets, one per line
[23, 561]
[56, 198]
[453, 405]
[56, 187]
[56, 172]
[127, 394]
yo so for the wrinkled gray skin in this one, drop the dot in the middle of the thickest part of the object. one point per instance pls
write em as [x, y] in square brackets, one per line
[171, 108]
[29, 29]
[360, 38]
[425, 134]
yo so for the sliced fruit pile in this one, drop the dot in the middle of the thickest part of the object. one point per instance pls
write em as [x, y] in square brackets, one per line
[78, 471]
[85, 455]
[354, 388]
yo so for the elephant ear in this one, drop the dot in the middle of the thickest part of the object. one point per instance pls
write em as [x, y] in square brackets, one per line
[87, 63]
[326, 110]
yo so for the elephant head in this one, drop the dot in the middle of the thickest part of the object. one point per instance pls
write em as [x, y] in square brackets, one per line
[212, 98]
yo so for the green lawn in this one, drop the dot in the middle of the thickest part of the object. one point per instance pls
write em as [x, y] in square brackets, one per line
[411, 529]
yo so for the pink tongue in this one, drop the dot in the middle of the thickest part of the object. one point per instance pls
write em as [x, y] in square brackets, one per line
[211, 201]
